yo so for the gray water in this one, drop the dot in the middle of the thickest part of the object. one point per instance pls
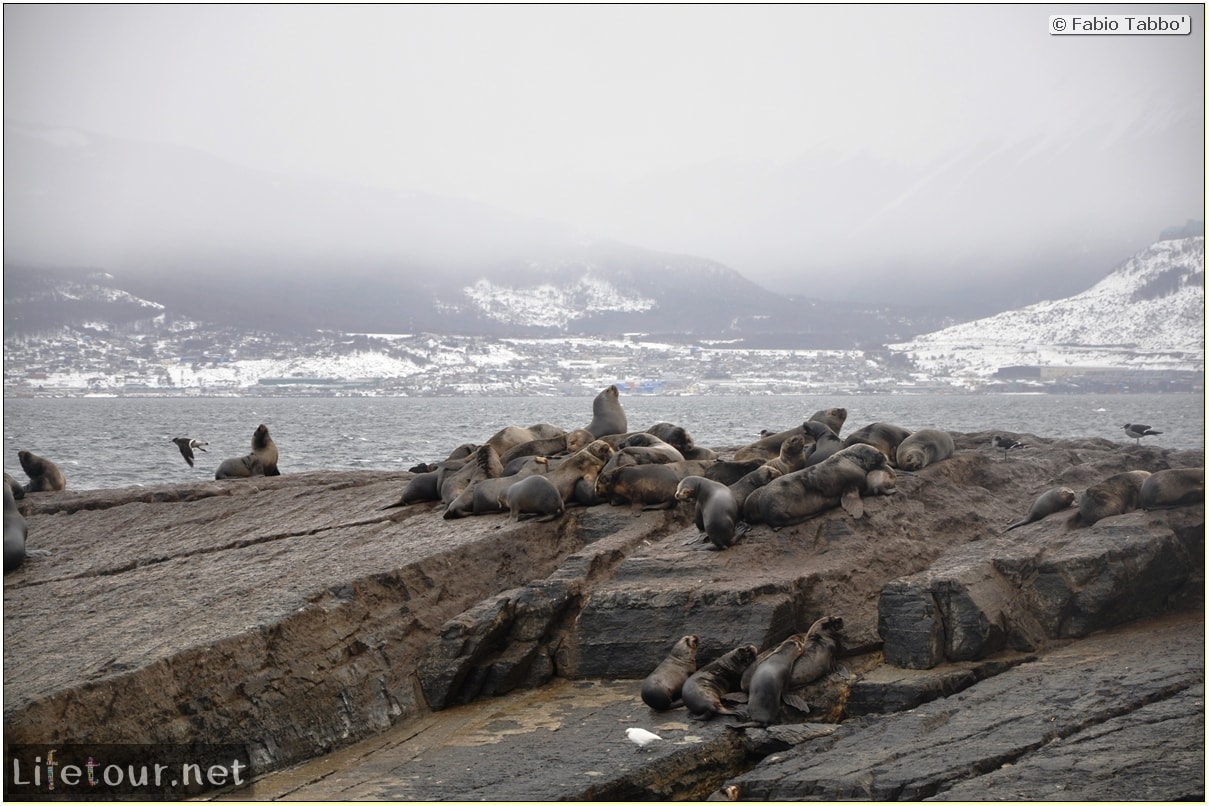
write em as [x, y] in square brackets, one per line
[116, 442]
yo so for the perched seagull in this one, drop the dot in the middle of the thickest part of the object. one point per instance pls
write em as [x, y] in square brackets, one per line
[642, 737]
[1007, 443]
[187, 445]
[1137, 431]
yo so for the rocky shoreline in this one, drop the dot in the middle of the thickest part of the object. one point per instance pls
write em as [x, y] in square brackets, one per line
[360, 652]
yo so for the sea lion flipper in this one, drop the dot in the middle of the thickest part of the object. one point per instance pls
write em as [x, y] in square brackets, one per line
[852, 503]
[796, 701]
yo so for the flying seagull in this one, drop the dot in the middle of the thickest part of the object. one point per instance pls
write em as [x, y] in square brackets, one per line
[187, 445]
[1137, 431]
[1007, 443]
[642, 737]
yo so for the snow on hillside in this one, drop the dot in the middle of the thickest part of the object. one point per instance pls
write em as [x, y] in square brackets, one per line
[548, 305]
[1149, 313]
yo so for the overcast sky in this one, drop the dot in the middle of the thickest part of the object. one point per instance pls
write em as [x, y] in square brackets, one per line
[775, 139]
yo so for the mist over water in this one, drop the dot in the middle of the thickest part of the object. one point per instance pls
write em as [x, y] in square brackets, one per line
[116, 442]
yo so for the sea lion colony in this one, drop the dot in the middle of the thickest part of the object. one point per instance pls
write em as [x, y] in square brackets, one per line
[780, 479]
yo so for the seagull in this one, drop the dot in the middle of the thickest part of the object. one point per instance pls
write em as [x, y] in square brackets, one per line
[1137, 431]
[1007, 443]
[642, 737]
[187, 445]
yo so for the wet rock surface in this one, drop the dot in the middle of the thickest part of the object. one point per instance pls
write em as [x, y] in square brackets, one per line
[362, 652]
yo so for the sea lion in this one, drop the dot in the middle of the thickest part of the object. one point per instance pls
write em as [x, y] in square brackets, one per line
[792, 456]
[262, 461]
[886, 437]
[1052, 500]
[1176, 487]
[584, 465]
[15, 531]
[661, 688]
[608, 417]
[422, 487]
[186, 446]
[836, 481]
[512, 436]
[673, 435]
[770, 680]
[484, 463]
[703, 691]
[651, 486]
[823, 643]
[533, 495]
[826, 443]
[730, 472]
[44, 475]
[18, 490]
[751, 482]
[925, 447]
[1116, 495]
[880, 481]
[832, 418]
[550, 446]
[716, 513]
[768, 447]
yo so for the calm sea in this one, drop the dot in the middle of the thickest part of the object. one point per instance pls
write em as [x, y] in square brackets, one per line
[115, 442]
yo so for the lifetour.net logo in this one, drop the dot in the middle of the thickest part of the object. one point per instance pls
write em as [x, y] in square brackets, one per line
[106, 771]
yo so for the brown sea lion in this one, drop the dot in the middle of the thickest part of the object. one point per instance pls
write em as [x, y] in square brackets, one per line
[15, 531]
[1176, 487]
[751, 482]
[608, 417]
[832, 418]
[703, 691]
[768, 447]
[792, 456]
[262, 461]
[826, 443]
[1052, 500]
[925, 447]
[770, 680]
[886, 437]
[1116, 495]
[583, 465]
[551, 446]
[533, 495]
[673, 435]
[661, 688]
[18, 490]
[44, 475]
[730, 472]
[836, 481]
[484, 463]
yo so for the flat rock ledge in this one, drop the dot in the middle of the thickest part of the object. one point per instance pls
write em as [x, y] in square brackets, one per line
[367, 653]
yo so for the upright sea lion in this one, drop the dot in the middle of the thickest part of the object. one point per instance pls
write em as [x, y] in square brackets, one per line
[1176, 487]
[262, 461]
[583, 465]
[1052, 500]
[533, 495]
[832, 418]
[716, 513]
[886, 437]
[924, 447]
[44, 475]
[15, 530]
[836, 481]
[703, 691]
[823, 643]
[770, 680]
[661, 688]
[826, 443]
[1116, 495]
[608, 417]
[792, 456]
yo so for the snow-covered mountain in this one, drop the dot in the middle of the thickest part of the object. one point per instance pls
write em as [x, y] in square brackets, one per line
[1149, 313]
